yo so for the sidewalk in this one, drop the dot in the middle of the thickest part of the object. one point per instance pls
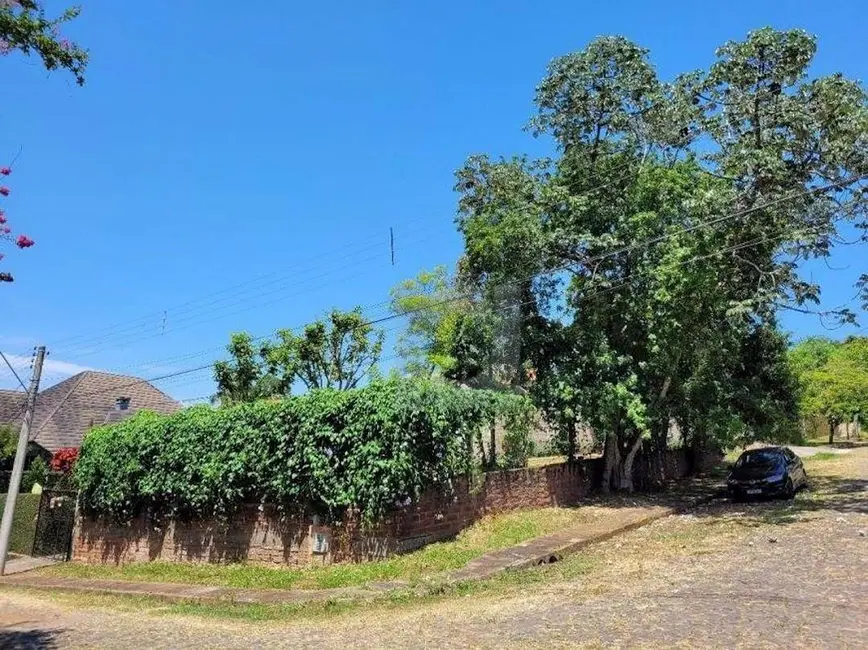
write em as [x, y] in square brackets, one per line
[538, 551]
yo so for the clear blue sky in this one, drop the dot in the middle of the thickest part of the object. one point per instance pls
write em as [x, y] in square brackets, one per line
[215, 142]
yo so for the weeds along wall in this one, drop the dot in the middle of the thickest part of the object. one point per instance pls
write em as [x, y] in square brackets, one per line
[320, 453]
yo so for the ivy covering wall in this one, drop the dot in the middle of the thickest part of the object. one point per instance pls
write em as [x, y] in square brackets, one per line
[324, 452]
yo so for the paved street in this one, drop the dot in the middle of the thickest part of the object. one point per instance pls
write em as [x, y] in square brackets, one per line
[729, 575]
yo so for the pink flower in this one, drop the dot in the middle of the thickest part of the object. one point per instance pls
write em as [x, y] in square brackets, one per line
[2, 218]
[4, 190]
[24, 241]
[5, 230]
[5, 171]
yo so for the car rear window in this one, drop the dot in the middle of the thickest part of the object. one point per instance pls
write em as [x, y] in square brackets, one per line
[759, 457]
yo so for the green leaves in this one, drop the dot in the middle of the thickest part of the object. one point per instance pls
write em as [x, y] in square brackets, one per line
[833, 377]
[25, 27]
[336, 353]
[324, 452]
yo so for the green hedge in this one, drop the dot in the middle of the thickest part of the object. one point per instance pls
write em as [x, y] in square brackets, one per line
[23, 523]
[322, 452]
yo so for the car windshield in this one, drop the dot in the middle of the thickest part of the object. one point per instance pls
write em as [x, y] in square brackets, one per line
[759, 458]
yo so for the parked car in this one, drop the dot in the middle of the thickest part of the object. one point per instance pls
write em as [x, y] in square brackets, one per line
[770, 471]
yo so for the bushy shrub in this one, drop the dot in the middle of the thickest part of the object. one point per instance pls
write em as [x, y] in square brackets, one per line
[323, 452]
[36, 473]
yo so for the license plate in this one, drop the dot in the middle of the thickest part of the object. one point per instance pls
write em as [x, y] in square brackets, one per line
[754, 491]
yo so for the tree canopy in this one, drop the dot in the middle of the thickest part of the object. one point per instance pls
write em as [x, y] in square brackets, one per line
[336, 352]
[833, 378]
[644, 265]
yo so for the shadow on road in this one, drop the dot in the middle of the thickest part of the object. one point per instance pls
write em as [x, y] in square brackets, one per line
[842, 495]
[29, 639]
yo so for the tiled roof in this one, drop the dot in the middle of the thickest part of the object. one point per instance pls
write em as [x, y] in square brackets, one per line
[68, 410]
[11, 406]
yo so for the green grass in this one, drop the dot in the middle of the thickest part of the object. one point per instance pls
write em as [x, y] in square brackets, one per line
[824, 455]
[23, 523]
[489, 534]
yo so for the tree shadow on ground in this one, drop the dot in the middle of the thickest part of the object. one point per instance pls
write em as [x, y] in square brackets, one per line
[29, 639]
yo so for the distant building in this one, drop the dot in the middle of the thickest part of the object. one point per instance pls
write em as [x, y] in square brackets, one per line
[66, 411]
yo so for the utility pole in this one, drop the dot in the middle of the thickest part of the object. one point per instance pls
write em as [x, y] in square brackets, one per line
[20, 454]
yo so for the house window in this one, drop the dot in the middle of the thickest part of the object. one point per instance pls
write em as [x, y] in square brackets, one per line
[122, 403]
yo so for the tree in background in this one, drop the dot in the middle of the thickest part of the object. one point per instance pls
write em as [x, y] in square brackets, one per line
[25, 28]
[337, 352]
[431, 302]
[8, 445]
[647, 262]
[245, 377]
[833, 379]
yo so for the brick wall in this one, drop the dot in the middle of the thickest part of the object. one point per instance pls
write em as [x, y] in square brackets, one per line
[262, 536]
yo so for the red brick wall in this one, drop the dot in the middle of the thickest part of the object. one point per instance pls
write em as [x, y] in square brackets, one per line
[261, 536]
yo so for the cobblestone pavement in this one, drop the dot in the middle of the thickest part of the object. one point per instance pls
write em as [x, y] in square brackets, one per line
[771, 577]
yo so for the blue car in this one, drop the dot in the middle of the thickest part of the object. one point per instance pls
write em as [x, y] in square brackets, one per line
[766, 472]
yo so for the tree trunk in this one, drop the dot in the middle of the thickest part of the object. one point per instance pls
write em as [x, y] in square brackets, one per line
[492, 444]
[611, 460]
[625, 471]
[571, 440]
[618, 468]
[831, 431]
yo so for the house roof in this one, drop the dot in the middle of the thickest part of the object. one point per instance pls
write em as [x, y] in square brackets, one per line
[11, 405]
[69, 409]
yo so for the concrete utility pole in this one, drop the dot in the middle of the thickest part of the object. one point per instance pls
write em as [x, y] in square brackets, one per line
[20, 454]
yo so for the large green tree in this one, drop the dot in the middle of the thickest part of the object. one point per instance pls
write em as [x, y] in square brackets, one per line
[648, 260]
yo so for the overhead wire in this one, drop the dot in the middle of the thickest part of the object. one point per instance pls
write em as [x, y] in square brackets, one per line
[592, 259]
[155, 322]
[13, 371]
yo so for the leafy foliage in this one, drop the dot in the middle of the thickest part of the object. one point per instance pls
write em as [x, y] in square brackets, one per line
[36, 473]
[327, 451]
[833, 377]
[646, 263]
[8, 444]
[334, 353]
[25, 27]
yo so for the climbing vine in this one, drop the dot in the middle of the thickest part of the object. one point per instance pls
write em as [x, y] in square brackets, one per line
[369, 449]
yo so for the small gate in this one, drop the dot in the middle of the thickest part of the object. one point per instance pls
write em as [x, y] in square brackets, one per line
[54, 524]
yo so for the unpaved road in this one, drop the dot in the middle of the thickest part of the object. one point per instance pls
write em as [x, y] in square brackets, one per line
[728, 575]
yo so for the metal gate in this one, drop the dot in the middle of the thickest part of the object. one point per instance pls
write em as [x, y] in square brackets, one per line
[54, 524]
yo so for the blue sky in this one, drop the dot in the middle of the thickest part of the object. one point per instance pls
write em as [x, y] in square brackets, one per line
[266, 153]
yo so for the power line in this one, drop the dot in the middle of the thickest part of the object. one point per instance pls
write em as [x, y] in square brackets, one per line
[13, 370]
[508, 306]
[643, 243]
[107, 344]
[197, 307]
[610, 181]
